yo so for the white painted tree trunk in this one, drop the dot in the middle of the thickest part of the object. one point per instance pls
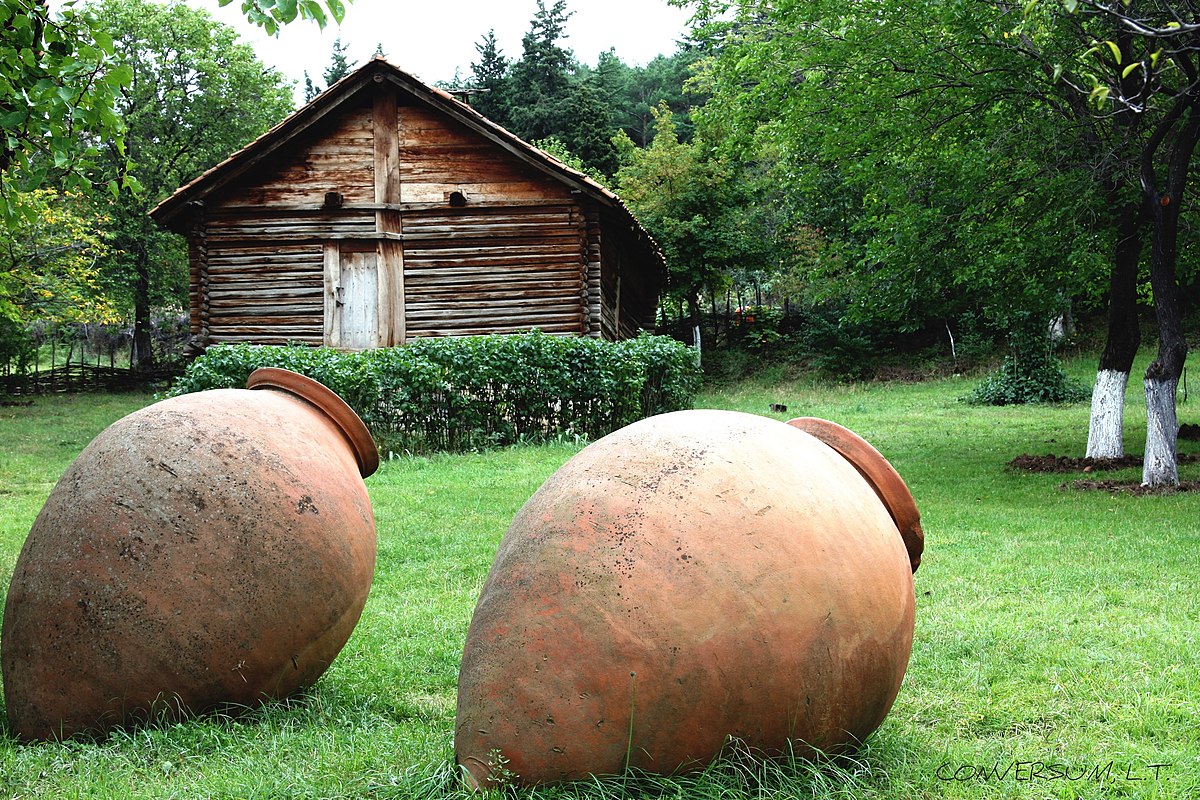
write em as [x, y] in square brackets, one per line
[1108, 415]
[1162, 433]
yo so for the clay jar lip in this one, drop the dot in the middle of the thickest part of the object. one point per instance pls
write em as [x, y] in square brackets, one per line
[879, 473]
[334, 407]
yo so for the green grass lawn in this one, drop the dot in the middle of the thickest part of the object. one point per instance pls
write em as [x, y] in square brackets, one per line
[1054, 627]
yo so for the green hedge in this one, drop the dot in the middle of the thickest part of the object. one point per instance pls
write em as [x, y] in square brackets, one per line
[474, 392]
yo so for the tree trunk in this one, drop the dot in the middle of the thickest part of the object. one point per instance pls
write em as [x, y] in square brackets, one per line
[1106, 427]
[1162, 376]
[142, 355]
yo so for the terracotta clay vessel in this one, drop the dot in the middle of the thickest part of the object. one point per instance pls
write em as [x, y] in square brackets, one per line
[210, 550]
[691, 577]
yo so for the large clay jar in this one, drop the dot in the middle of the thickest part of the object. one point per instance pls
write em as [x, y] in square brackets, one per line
[211, 550]
[692, 577]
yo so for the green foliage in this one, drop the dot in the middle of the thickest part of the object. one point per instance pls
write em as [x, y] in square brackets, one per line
[557, 148]
[472, 392]
[695, 203]
[913, 163]
[270, 14]
[1031, 373]
[59, 83]
[17, 349]
[547, 94]
[60, 90]
[198, 94]
[541, 79]
[48, 262]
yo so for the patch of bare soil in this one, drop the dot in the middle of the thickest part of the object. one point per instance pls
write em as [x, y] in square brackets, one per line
[1131, 487]
[1053, 463]
[1065, 464]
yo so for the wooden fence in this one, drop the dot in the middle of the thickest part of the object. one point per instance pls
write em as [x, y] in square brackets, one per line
[83, 378]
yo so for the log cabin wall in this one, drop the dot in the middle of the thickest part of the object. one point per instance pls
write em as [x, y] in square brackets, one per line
[266, 237]
[508, 255]
[383, 215]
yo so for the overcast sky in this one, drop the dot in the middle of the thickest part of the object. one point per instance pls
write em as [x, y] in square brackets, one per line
[431, 38]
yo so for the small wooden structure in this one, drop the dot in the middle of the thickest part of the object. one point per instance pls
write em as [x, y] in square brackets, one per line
[386, 210]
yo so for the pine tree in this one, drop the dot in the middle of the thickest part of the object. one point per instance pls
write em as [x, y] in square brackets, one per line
[490, 75]
[310, 88]
[339, 66]
[541, 79]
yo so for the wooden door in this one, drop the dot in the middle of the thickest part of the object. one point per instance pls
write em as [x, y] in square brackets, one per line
[352, 298]
[359, 292]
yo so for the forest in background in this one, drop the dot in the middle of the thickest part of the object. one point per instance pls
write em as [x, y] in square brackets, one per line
[844, 188]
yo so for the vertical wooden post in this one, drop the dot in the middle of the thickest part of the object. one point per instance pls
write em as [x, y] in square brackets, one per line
[386, 129]
[333, 309]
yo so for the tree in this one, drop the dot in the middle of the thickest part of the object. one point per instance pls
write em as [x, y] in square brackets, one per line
[59, 85]
[48, 272]
[339, 67]
[48, 264]
[490, 79]
[916, 143]
[1138, 62]
[693, 202]
[540, 94]
[195, 95]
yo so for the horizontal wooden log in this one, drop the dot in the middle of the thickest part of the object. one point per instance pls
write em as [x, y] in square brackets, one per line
[427, 191]
[507, 319]
[555, 329]
[252, 291]
[423, 308]
[440, 208]
[301, 262]
[251, 229]
[277, 239]
[435, 249]
[270, 278]
[485, 234]
[307, 338]
[272, 322]
[476, 292]
[228, 307]
[546, 215]
[493, 270]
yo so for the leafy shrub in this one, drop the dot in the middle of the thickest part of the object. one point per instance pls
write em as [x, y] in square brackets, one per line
[1030, 373]
[479, 391]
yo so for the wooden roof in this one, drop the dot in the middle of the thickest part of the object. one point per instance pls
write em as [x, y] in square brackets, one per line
[171, 211]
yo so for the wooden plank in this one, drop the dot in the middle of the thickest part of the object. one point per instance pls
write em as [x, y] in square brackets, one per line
[497, 290]
[311, 321]
[387, 162]
[509, 318]
[428, 190]
[230, 290]
[424, 309]
[233, 209]
[225, 308]
[563, 247]
[313, 239]
[391, 260]
[333, 277]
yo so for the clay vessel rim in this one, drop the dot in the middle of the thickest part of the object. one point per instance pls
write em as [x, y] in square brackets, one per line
[328, 401]
[879, 473]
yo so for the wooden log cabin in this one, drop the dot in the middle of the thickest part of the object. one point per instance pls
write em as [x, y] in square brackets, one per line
[386, 210]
